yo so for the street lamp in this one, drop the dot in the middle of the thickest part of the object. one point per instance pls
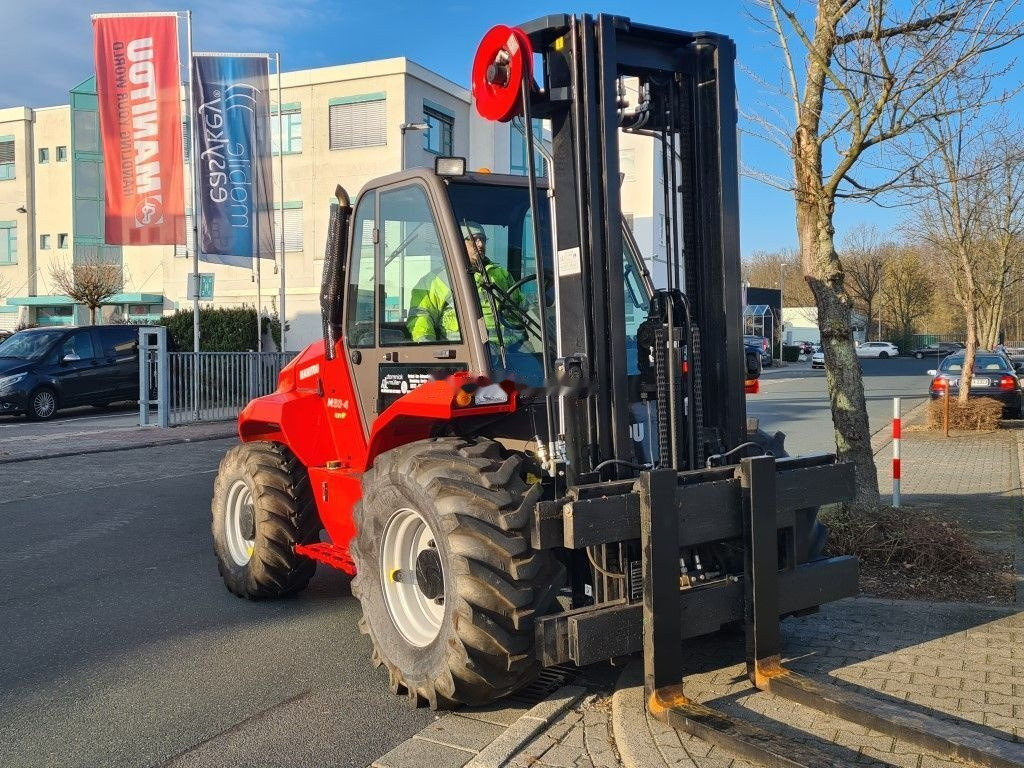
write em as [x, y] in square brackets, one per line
[410, 127]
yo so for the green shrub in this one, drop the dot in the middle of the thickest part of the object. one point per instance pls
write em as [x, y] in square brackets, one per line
[790, 354]
[221, 329]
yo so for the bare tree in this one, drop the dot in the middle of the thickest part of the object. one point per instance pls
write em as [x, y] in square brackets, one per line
[864, 260]
[908, 288]
[1002, 219]
[763, 268]
[90, 282]
[857, 75]
[5, 287]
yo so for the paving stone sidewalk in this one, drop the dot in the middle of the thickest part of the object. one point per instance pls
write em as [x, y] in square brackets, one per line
[74, 443]
[963, 661]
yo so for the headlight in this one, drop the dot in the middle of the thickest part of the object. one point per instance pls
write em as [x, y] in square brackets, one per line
[6, 382]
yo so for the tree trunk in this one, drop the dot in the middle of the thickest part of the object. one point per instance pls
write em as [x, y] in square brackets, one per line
[842, 368]
[971, 311]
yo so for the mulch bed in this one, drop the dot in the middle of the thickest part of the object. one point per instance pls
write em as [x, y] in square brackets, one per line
[996, 584]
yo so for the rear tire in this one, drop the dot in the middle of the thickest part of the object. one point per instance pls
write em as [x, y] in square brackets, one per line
[919, 355]
[448, 584]
[262, 507]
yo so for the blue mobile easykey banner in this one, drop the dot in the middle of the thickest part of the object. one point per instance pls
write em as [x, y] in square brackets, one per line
[233, 158]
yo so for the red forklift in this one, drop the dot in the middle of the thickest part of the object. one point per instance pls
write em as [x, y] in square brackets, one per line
[523, 451]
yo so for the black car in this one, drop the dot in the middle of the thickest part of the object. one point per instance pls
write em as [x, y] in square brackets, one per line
[45, 369]
[938, 350]
[994, 376]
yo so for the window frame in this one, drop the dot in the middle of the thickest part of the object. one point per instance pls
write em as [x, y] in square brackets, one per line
[355, 258]
[62, 153]
[62, 241]
[354, 101]
[8, 170]
[44, 242]
[44, 155]
[446, 126]
[281, 118]
[11, 228]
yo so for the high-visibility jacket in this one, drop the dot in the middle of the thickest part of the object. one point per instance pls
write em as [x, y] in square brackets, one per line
[432, 312]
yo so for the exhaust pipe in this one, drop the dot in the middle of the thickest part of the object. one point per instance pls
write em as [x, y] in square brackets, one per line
[332, 285]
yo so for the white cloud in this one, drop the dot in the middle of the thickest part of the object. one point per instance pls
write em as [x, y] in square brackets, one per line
[48, 43]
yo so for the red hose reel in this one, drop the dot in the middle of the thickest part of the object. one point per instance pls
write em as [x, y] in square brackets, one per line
[503, 61]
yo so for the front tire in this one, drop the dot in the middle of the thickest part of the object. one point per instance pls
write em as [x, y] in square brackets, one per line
[42, 404]
[883, 355]
[448, 584]
[262, 507]
[919, 355]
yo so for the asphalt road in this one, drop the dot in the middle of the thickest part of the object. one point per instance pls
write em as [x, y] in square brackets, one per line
[119, 646]
[73, 420]
[794, 400]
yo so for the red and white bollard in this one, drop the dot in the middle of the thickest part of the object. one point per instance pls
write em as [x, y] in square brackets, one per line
[896, 452]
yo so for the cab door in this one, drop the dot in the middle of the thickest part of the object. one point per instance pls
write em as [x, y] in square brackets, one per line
[402, 320]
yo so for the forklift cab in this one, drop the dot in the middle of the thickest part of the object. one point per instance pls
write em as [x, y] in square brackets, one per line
[422, 299]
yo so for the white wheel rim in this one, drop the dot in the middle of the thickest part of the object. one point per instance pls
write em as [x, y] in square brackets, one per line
[417, 615]
[239, 524]
[44, 403]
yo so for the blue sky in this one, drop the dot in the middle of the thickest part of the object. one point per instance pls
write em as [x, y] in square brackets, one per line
[48, 50]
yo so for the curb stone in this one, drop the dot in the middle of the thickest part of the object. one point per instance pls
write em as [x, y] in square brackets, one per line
[480, 738]
[632, 735]
[1018, 560]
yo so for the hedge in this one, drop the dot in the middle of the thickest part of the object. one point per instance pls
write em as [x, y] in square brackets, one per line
[221, 329]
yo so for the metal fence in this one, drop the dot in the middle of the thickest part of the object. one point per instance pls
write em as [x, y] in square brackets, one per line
[227, 381]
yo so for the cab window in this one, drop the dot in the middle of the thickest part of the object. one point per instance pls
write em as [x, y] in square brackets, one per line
[77, 346]
[361, 303]
[417, 303]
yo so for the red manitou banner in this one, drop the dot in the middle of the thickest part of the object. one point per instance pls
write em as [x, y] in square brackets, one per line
[138, 85]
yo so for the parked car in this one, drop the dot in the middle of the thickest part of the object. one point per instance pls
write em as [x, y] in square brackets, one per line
[765, 347]
[938, 350]
[818, 359]
[993, 376]
[806, 347]
[882, 349]
[45, 369]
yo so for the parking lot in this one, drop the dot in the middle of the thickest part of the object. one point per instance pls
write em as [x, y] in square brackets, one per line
[794, 399]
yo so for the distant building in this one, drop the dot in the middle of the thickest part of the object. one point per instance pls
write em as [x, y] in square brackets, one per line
[341, 126]
[801, 324]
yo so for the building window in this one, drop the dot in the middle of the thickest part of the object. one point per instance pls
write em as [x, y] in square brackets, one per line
[62, 154]
[517, 151]
[8, 242]
[290, 122]
[293, 240]
[438, 137]
[62, 240]
[60, 315]
[358, 121]
[44, 155]
[6, 157]
[44, 242]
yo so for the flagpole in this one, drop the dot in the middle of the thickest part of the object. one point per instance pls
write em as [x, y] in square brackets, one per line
[280, 186]
[196, 216]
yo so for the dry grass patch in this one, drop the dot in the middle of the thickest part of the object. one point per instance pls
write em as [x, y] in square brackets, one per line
[979, 414]
[907, 553]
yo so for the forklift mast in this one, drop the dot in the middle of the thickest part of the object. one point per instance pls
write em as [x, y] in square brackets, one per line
[685, 102]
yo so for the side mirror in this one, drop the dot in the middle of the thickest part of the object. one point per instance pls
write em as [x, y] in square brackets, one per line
[932, 372]
[71, 357]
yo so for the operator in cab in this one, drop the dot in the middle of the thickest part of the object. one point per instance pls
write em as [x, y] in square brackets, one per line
[432, 313]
